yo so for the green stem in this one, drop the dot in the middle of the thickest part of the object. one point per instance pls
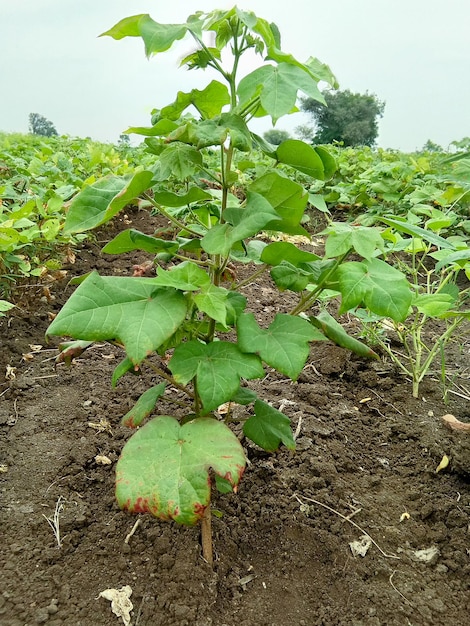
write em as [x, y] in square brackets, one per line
[213, 61]
[306, 301]
[182, 257]
[168, 377]
[197, 401]
[170, 217]
[438, 346]
[251, 278]
[250, 107]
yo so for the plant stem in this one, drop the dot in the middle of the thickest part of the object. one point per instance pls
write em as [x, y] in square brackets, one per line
[305, 301]
[252, 277]
[161, 372]
[170, 217]
[206, 535]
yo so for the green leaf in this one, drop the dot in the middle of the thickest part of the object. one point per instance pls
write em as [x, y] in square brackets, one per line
[268, 428]
[162, 127]
[277, 86]
[133, 311]
[266, 147]
[180, 161]
[244, 396]
[438, 223]
[417, 231]
[284, 345]
[329, 162]
[201, 134]
[454, 257]
[144, 406]
[235, 305]
[248, 221]
[131, 239]
[5, 306]
[365, 240]
[164, 467]
[302, 157]
[433, 304]
[186, 276]
[318, 201]
[128, 27]
[236, 126]
[380, 287]
[208, 101]
[169, 199]
[217, 367]
[126, 365]
[157, 37]
[213, 301]
[288, 276]
[334, 331]
[288, 198]
[100, 202]
[279, 251]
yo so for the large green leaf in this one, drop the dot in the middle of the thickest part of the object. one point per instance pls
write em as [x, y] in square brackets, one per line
[434, 304]
[287, 276]
[122, 368]
[179, 160]
[217, 367]
[208, 101]
[164, 468]
[284, 345]
[170, 199]
[277, 86]
[279, 251]
[380, 287]
[201, 134]
[133, 311]
[329, 162]
[268, 428]
[288, 198]
[454, 257]
[302, 157]
[99, 202]
[162, 127]
[248, 221]
[212, 300]
[144, 406]
[186, 276]
[236, 126]
[365, 240]
[132, 239]
[157, 37]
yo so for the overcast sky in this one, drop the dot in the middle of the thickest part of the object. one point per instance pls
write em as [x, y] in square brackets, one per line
[413, 54]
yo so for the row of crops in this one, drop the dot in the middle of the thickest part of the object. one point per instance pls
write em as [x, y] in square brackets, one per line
[39, 176]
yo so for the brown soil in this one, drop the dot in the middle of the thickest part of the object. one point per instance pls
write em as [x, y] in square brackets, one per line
[366, 461]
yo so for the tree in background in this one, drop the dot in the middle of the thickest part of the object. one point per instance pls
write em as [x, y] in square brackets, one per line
[431, 146]
[349, 118]
[463, 144]
[39, 125]
[275, 136]
[124, 141]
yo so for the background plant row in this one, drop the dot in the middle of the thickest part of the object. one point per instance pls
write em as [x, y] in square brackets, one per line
[39, 176]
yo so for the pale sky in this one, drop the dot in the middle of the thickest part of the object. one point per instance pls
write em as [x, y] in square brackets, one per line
[413, 54]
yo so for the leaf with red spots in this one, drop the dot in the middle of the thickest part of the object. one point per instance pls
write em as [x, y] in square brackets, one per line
[164, 467]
